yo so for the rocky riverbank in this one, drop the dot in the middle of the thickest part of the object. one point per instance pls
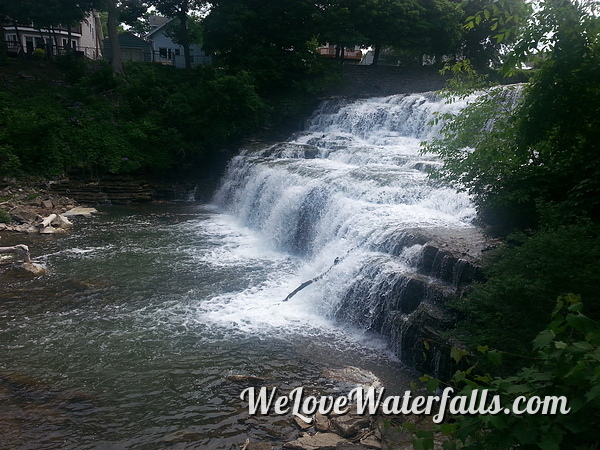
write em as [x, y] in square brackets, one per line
[31, 209]
[35, 209]
[352, 430]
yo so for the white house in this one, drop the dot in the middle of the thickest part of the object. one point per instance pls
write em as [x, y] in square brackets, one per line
[165, 51]
[86, 38]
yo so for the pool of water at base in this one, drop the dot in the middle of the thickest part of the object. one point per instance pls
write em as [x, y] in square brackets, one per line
[132, 338]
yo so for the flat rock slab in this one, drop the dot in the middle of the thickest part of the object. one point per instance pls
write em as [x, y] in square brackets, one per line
[80, 211]
[319, 441]
[258, 446]
[349, 425]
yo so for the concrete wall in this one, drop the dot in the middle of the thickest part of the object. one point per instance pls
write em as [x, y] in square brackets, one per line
[371, 81]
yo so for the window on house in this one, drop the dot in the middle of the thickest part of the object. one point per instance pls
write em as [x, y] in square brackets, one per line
[177, 52]
[12, 42]
[166, 53]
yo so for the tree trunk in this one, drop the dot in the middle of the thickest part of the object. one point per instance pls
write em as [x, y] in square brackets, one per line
[376, 52]
[115, 47]
[55, 43]
[43, 43]
[3, 43]
[342, 49]
[98, 38]
[19, 39]
[185, 35]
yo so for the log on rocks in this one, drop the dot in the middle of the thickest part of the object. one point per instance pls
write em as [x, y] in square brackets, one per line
[54, 223]
[80, 211]
[48, 220]
[62, 222]
[20, 249]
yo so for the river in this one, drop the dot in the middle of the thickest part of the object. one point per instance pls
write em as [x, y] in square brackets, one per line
[147, 312]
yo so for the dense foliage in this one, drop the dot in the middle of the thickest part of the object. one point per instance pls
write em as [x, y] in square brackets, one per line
[524, 275]
[262, 34]
[539, 158]
[154, 117]
[529, 157]
[565, 364]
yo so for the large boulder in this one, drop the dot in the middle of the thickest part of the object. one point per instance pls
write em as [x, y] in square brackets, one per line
[22, 214]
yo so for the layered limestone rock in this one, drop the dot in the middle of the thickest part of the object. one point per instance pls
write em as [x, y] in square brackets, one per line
[409, 308]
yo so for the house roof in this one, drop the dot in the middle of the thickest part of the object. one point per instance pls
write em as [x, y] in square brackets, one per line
[157, 21]
[128, 39]
[160, 27]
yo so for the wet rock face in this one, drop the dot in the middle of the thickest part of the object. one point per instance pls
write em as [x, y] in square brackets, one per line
[409, 308]
[117, 190]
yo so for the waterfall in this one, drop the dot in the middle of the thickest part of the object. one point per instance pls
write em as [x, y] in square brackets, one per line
[354, 186]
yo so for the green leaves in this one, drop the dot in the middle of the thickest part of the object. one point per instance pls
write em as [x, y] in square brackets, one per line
[543, 339]
[537, 153]
[152, 118]
[563, 382]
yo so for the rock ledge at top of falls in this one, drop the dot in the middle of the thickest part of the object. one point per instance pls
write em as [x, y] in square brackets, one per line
[465, 243]
[452, 256]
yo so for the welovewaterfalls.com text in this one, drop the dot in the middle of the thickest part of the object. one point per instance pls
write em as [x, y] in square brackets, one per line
[372, 401]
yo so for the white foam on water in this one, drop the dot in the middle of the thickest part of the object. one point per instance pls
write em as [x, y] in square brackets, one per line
[296, 216]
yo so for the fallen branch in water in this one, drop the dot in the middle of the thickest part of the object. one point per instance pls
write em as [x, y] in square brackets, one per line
[312, 280]
[20, 249]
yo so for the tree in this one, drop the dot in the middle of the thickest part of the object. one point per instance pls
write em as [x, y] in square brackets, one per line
[539, 158]
[117, 11]
[185, 35]
[397, 23]
[113, 8]
[491, 29]
[338, 25]
[274, 41]
[528, 156]
[444, 28]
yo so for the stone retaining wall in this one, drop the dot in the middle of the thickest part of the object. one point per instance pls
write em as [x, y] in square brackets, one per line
[369, 81]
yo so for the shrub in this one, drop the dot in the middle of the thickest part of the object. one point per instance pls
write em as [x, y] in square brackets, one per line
[4, 216]
[511, 306]
[39, 54]
[566, 363]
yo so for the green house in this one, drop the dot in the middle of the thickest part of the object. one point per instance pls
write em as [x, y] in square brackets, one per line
[133, 48]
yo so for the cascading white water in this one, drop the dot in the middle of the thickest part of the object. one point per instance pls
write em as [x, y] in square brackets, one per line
[365, 179]
[349, 187]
